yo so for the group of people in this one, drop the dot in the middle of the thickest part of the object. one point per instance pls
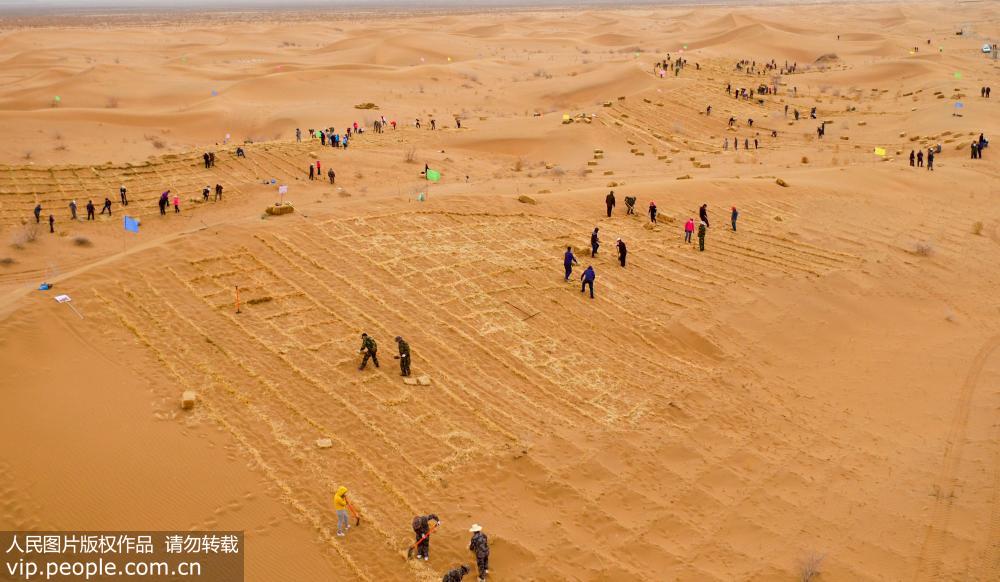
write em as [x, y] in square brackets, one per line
[917, 158]
[589, 275]
[750, 67]
[316, 171]
[421, 523]
[370, 350]
[984, 92]
[676, 65]
[746, 142]
[164, 202]
[977, 146]
[479, 544]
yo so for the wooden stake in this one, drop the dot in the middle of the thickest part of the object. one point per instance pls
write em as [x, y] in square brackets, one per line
[237, 299]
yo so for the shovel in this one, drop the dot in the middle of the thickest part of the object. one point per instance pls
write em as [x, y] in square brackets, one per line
[409, 551]
[357, 516]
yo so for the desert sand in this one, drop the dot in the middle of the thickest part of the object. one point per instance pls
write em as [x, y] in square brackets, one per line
[815, 394]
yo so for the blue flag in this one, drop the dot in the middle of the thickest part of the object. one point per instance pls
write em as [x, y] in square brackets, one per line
[131, 224]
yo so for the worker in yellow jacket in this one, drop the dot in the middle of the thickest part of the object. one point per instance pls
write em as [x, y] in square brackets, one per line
[340, 505]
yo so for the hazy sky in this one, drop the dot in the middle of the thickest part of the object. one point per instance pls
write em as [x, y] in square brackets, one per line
[213, 4]
[42, 4]
[45, 5]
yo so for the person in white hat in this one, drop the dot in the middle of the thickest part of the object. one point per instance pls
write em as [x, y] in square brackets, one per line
[480, 545]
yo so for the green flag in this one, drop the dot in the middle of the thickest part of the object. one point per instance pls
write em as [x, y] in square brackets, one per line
[433, 175]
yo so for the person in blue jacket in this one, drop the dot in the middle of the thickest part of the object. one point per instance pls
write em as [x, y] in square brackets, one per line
[568, 261]
[588, 279]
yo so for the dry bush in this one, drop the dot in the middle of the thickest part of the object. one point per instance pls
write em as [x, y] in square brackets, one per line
[24, 236]
[7, 261]
[542, 74]
[805, 160]
[557, 171]
[111, 103]
[810, 567]
[977, 228]
[923, 249]
[366, 105]
[519, 165]
[82, 241]
[62, 147]
[26, 155]
[410, 155]
[358, 175]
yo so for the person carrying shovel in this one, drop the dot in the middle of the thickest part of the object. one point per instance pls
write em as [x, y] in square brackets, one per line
[422, 530]
[341, 505]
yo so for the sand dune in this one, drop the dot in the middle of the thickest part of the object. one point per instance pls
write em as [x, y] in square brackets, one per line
[812, 392]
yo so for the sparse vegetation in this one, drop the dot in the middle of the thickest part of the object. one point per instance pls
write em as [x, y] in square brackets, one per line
[410, 155]
[366, 105]
[923, 249]
[156, 141]
[809, 569]
[25, 235]
[977, 228]
[519, 164]
[111, 103]
[7, 261]
[82, 241]
[542, 74]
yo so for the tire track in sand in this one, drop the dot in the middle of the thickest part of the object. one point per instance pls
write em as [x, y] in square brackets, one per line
[935, 537]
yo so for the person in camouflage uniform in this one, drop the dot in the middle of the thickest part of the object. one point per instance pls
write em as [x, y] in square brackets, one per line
[422, 527]
[480, 545]
[701, 236]
[630, 205]
[456, 575]
[403, 357]
[369, 349]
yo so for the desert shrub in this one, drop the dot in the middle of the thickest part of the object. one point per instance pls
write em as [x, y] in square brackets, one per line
[410, 155]
[977, 228]
[923, 249]
[25, 235]
[82, 241]
[809, 568]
